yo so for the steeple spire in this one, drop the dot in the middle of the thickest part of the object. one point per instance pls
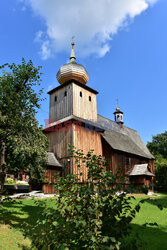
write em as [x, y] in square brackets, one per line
[72, 56]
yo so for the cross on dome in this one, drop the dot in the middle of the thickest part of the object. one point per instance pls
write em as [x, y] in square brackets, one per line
[72, 56]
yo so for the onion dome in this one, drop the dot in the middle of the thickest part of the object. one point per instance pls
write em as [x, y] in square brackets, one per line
[118, 110]
[72, 71]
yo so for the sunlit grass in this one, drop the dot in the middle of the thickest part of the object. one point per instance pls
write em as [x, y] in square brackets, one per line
[14, 215]
[153, 237]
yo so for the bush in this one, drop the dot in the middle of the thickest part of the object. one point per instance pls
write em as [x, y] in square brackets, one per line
[94, 214]
[10, 181]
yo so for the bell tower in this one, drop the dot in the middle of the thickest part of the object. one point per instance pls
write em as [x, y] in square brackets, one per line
[72, 105]
[73, 97]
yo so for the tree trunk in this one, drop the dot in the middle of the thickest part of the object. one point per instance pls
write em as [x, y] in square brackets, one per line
[3, 168]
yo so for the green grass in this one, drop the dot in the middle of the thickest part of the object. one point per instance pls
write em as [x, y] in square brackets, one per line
[14, 215]
[153, 237]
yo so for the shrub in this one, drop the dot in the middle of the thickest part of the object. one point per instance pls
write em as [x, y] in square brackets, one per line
[90, 215]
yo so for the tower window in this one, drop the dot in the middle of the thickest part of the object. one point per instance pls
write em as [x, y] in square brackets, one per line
[65, 93]
[90, 98]
[55, 98]
[80, 94]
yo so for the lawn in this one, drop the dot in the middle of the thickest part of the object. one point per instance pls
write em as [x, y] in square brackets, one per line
[154, 237]
[14, 215]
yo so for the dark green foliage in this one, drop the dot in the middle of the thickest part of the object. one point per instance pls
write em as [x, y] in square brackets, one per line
[87, 215]
[158, 148]
[22, 143]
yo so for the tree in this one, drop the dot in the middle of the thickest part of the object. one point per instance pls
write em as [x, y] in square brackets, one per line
[22, 143]
[158, 148]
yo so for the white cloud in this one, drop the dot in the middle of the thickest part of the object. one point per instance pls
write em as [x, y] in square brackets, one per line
[152, 1]
[45, 50]
[38, 36]
[41, 38]
[92, 22]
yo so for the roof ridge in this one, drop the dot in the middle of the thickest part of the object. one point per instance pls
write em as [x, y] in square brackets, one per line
[115, 122]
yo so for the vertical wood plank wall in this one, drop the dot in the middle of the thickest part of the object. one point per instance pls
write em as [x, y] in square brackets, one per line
[86, 140]
[72, 103]
[58, 142]
[63, 106]
[49, 173]
[82, 106]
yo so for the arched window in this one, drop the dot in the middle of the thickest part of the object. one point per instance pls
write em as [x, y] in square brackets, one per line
[90, 98]
[80, 93]
[65, 93]
[55, 98]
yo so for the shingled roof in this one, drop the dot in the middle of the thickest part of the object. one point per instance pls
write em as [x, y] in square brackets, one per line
[52, 161]
[126, 139]
[141, 169]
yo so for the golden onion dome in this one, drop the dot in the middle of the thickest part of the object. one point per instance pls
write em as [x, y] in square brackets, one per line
[72, 71]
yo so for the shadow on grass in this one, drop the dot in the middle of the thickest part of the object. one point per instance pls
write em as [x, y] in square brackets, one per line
[162, 199]
[15, 214]
[159, 201]
[21, 216]
[153, 238]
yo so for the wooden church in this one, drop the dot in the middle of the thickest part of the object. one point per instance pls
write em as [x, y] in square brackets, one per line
[73, 118]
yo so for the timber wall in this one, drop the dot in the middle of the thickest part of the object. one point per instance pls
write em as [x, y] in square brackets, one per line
[86, 140]
[63, 106]
[84, 106]
[59, 140]
[72, 100]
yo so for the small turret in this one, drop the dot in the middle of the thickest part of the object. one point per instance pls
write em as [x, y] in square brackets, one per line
[118, 116]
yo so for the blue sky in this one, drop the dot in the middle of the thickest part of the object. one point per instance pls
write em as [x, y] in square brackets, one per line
[123, 46]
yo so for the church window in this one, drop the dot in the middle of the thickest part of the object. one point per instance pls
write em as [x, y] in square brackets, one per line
[128, 163]
[55, 98]
[90, 98]
[65, 93]
[80, 94]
